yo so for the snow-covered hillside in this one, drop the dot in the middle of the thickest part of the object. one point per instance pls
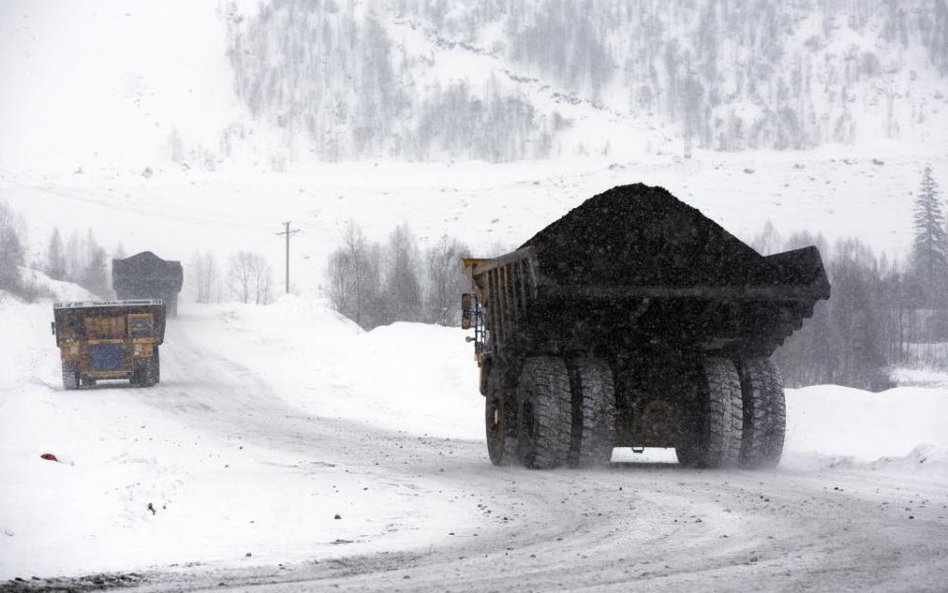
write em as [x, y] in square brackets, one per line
[244, 85]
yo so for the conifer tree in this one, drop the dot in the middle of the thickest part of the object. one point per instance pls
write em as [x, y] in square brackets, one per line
[12, 252]
[402, 289]
[55, 257]
[930, 250]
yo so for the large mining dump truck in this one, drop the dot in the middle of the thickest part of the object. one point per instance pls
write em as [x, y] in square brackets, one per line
[635, 321]
[109, 340]
[147, 276]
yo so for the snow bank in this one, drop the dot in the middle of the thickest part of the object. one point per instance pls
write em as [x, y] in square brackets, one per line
[408, 377]
[852, 427]
[56, 290]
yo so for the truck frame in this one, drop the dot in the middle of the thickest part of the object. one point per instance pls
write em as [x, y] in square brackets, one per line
[109, 340]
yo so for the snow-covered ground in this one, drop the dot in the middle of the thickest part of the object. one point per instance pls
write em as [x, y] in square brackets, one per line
[270, 421]
[225, 449]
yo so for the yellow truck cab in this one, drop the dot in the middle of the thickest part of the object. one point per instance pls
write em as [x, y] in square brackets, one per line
[109, 340]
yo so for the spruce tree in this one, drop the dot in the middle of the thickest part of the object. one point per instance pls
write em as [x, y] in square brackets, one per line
[930, 251]
[402, 289]
[94, 276]
[12, 252]
[55, 257]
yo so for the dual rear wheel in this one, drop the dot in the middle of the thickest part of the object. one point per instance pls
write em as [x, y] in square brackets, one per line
[558, 414]
[711, 426]
[739, 417]
[765, 414]
[563, 413]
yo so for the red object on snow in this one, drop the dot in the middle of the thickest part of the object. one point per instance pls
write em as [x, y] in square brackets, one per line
[49, 457]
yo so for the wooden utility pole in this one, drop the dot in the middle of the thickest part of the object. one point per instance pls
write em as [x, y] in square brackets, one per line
[288, 233]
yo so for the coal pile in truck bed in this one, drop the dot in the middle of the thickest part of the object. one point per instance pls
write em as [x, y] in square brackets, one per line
[637, 235]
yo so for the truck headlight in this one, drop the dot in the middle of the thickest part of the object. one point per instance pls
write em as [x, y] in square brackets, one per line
[138, 349]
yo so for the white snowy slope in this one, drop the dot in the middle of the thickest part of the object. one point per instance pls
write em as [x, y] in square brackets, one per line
[120, 85]
[270, 421]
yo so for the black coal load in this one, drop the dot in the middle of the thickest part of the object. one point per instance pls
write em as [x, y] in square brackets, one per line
[637, 235]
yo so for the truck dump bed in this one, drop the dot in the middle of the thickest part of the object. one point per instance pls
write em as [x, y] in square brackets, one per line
[637, 266]
[147, 276]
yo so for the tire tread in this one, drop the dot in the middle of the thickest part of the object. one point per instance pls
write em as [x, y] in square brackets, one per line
[546, 378]
[765, 414]
[594, 410]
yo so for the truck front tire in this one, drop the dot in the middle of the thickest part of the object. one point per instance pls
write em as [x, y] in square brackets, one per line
[500, 422]
[544, 412]
[765, 414]
[711, 432]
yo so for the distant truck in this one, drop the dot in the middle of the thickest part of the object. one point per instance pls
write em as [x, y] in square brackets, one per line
[635, 321]
[147, 276]
[109, 340]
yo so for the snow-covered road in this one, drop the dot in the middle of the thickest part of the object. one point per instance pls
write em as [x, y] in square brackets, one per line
[643, 527]
[648, 526]
[247, 465]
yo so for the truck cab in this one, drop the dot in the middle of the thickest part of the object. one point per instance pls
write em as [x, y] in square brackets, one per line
[109, 340]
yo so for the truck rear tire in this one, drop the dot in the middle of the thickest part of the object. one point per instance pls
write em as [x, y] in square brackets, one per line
[711, 432]
[544, 413]
[765, 414]
[500, 422]
[70, 376]
[594, 413]
[150, 371]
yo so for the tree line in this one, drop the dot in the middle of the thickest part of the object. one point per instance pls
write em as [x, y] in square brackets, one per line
[79, 259]
[882, 313]
[247, 278]
[375, 284]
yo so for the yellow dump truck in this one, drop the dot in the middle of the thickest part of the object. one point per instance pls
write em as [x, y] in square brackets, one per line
[109, 340]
